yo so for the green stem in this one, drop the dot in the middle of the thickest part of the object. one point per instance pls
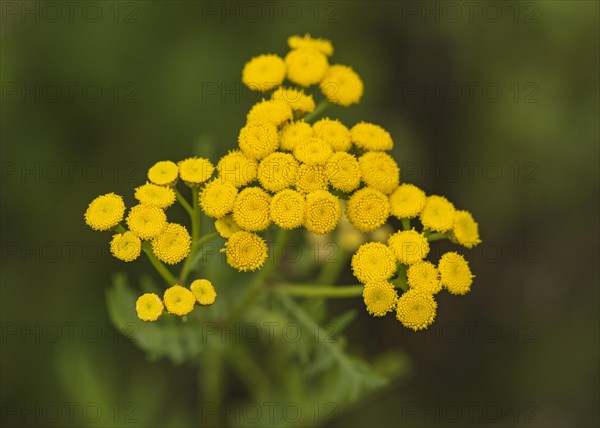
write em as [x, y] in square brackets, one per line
[158, 265]
[183, 202]
[323, 105]
[406, 223]
[210, 388]
[195, 221]
[263, 274]
[437, 237]
[320, 291]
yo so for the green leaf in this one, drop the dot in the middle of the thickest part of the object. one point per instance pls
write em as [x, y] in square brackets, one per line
[166, 338]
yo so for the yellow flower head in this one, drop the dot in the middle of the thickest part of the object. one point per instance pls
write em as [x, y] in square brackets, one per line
[438, 214]
[311, 178]
[368, 209]
[466, 230]
[379, 171]
[105, 212]
[217, 198]
[306, 66]
[179, 300]
[237, 168]
[277, 171]
[203, 291]
[146, 221]
[455, 273]
[369, 136]
[270, 111]
[153, 194]
[149, 307]
[373, 262]
[323, 212]
[263, 72]
[334, 132]
[380, 298]
[195, 171]
[246, 251]
[296, 99]
[416, 309]
[163, 173]
[287, 209]
[126, 246]
[424, 276]
[251, 209]
[320, 45]
[407, 201]
[295, 133]
[341, 85]
[313, 152]
[409, 246]
[226, 226]
[343, 171]
[173, 244]
[258, 140]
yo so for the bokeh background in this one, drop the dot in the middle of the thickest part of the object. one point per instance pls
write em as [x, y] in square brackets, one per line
[493, 104]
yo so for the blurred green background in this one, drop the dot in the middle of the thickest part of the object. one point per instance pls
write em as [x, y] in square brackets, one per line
[493, 104]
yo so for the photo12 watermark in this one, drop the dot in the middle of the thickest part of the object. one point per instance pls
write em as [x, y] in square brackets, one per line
[70, 12]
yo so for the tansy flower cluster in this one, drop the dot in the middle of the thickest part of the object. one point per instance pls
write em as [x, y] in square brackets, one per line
[288, 171]
[148, 229]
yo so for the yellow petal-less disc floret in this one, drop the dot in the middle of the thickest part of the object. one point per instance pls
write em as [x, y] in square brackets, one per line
[251, 209]
[323, 212]
[195, 171]
[264, 72]
[379, 171]
[217, 198]
[153, 194]
[105, 212]
[313, 152]
[237, 168]
[424, 276]
[126, 246]
[258, 140]
[287, 209]
[465, 230]
[295, 133]
[146, 221]
[373, 262]
[277, 171]
[246, 251]
[173, 244]
[407, 201]
[203, 291]
[226, 226]
[334, 132]
[368, 209]
[163, 173]
[320, 45]
[369, 136]
[455, 273]
[409, 246]
[306, 66]
[311, 178]
[380, 298]
[341, 85]
[438, 214]
[149, 307]
[270, 111]
[343, 171]
[179, 300]
[297, 99]
[416, 309]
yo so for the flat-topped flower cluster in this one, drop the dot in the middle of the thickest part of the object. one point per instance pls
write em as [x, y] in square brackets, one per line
[288, 172]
